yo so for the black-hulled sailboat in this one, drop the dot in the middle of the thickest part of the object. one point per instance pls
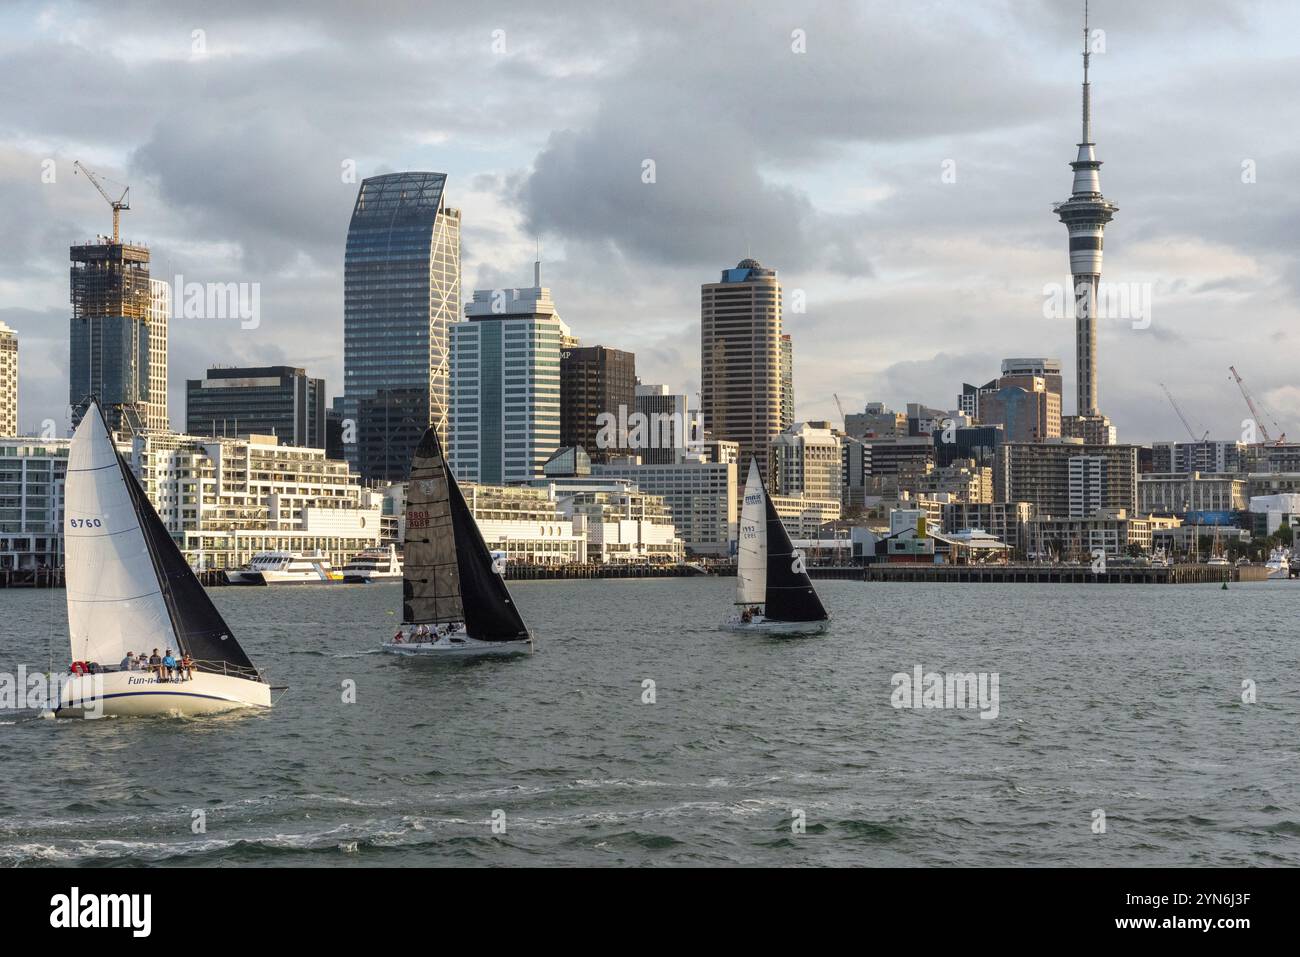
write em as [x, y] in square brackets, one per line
[129, 589]
[454, 598]
[773, 591]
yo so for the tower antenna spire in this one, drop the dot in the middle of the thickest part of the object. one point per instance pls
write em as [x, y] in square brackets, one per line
[1087, 94]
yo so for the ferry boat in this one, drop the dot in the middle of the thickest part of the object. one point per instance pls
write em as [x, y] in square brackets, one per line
[374, 564]
[286, 568]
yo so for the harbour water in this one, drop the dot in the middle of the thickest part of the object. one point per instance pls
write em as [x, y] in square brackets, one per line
[1126, 700]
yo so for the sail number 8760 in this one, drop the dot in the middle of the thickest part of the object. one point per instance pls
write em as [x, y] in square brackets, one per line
[85, 523]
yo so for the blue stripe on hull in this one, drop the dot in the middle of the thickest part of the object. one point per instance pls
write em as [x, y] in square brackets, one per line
[136, 694]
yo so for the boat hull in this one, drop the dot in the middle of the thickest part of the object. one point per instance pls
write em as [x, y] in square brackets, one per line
[764, 626]
[137, 693]
[459, 646]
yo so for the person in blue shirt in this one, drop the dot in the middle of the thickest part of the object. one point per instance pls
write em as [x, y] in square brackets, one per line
[128, 663]
[169, 663]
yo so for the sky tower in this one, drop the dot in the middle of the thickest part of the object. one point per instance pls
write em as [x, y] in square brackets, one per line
[1085, 214]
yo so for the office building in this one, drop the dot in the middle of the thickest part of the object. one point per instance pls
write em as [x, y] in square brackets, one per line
[668, 423]
[1204, 456]
[1178, 493]
[807, 459]
[401, 295]
[876, 422]
[742, 395]
[264, 400]
[507, 392]
[597, 384]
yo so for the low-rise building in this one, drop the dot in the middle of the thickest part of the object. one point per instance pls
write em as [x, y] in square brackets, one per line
[1177, 493]
[1076, 539]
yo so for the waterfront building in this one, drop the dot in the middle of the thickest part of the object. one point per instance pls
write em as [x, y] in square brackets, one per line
[8, 381]
[742, 384]
[526, 524]
[805, 515]
[1047, 475]
[224, 499]
[807, 459]
[32, 473]
[401, 295]
[507, 386]
[621, 522]
[117, 342]
[1268, 513]
[264, 400]
[1113, 531]
[1177, 493]
[1006, 521]
[701, 493]
[596, 383]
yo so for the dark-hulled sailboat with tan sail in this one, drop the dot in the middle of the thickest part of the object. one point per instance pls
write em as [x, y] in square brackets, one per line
[454, 596]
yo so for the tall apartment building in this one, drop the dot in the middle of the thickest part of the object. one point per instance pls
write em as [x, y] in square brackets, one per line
[1047, 476]
[806, 459]
[506, 396]
[266, 400]
[741, 379]
[117, 339]
[595, 381]
[8, 381]
[787, 381]
[401, 295]
[1206, 456]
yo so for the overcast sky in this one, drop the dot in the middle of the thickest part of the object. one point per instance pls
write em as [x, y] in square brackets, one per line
[826, 164]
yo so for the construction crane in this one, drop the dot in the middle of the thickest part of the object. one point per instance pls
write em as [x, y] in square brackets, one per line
[1250, 404]
[119, 204]
[840, 405]
[1187, 425]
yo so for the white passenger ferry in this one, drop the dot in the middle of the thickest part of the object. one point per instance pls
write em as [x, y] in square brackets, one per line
[374, 564]
[286, 568]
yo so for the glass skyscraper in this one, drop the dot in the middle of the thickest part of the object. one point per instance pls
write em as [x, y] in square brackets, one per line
[401, 293]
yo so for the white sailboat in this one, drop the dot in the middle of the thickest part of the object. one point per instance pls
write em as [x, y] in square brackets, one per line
[773, 590]
[454, 596]
[129, 589]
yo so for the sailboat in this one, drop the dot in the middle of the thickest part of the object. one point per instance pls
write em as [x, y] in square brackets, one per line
[451, 584]
[129, 589]
[773, 590]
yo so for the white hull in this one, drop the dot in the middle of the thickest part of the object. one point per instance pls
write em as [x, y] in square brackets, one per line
[355, 576]
[1277, 574]
[457, 645]
[279, 578]
[138, 693]
[762, 625]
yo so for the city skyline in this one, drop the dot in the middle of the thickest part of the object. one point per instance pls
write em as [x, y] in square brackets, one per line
[934, 282]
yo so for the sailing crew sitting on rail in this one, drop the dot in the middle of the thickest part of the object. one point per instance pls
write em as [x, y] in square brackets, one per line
[128, 663]
[399, 637]
[169, 663]
[156, 665]
[141, 661]
[422, 633]
[78, 668]
[186, 666]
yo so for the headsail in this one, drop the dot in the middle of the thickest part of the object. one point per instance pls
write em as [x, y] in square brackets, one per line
[790, 593]
[751, 558]
[448, 572]
[128, 586]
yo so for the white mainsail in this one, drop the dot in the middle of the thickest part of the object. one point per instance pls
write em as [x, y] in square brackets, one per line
[115, 602]
[751, 562]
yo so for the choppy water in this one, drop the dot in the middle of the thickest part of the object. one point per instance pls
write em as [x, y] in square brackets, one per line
[1124, 699]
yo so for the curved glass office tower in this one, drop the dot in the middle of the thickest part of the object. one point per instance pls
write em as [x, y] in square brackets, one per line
[401, 293]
